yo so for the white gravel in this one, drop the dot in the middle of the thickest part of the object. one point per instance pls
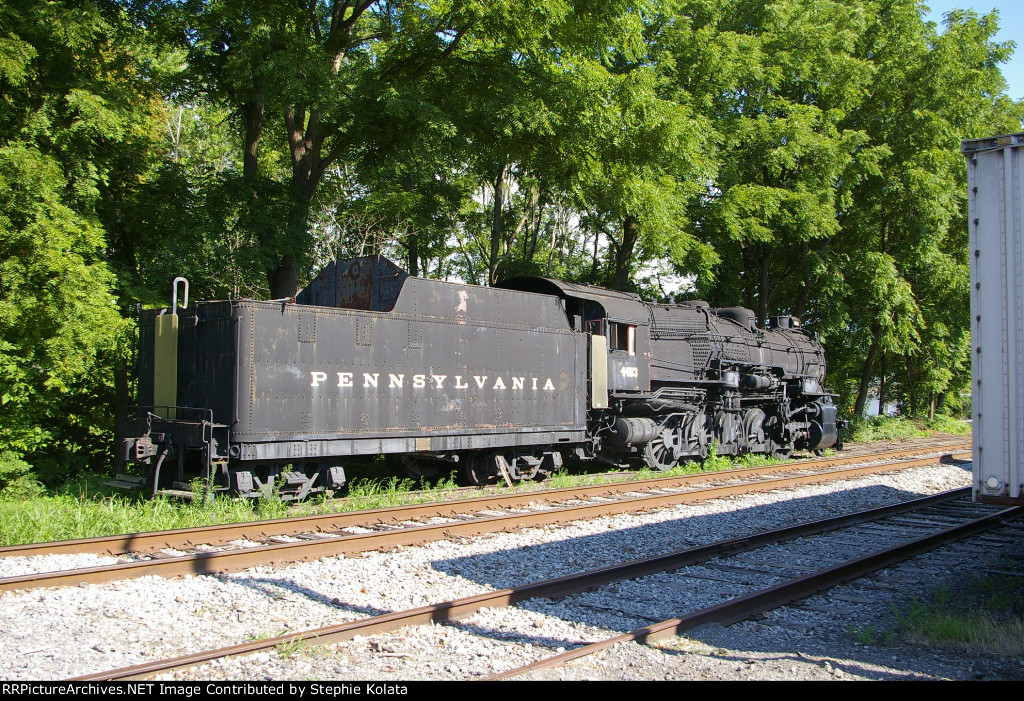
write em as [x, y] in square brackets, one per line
[60, 633]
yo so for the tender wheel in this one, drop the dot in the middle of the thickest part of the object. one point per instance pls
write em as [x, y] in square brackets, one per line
[479, 470]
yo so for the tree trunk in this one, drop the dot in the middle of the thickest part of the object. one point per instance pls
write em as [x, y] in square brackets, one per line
[252, 117]
[284, 277]
[800, 307]
[881, 384]
[866, 375]
[122, 391]
[412, 242]
[624, 255]
[499, 194]
[763, 290]
[535, 234]
[910, 387]
[283, 272]
[306, 137]
[749, 291]
[413, 246]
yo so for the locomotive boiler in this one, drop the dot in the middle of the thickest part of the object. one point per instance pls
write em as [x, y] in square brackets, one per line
[504, 383]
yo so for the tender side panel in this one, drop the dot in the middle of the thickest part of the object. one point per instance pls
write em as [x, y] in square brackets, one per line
[439, 373]
[204, 353]
[208, 359]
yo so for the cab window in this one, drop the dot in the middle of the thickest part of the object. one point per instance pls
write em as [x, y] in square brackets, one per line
[622, 337]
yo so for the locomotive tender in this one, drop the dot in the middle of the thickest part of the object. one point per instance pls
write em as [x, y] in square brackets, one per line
[263, 397]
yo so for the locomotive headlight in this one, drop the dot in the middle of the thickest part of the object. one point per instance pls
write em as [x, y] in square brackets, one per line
[809, 385]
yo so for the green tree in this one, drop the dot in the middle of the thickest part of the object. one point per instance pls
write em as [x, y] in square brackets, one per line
[73, 112]
[296, 78]
[776, 79]
[905, 232]
[647, 159]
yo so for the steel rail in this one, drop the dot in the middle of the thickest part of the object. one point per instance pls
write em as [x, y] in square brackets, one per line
[742, 607]
[259, 530]
[234, 560]
[561, 586]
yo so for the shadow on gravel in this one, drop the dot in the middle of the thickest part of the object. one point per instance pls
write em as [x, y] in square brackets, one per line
[625, 606]
[275, 588]
[612, 546]
[744, 665]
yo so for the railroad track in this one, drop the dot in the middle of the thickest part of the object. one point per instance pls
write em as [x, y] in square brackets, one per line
[234, 547]
[756, 573]
[795, 572]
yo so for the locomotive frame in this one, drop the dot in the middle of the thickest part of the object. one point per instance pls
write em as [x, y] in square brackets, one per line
[505, 382]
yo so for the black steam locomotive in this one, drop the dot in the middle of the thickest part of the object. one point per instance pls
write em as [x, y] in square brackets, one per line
[503, 382]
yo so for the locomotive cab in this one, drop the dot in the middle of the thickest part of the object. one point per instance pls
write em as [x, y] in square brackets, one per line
[617, 329]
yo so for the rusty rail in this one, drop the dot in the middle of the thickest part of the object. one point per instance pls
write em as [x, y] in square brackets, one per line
[235, 560]
[742, 607]
[562, 586]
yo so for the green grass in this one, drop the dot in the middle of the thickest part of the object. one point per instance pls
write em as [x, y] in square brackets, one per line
[972, 632]
[870, 635]
[291, 648]
[87, 508]
[986, 614]
[65, 516]
[391, 491]
[881, 428]
[948, 424]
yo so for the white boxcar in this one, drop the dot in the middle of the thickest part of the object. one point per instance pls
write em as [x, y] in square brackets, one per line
[995, 188]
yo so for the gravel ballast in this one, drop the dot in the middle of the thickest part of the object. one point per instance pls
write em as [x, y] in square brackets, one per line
[61, 633]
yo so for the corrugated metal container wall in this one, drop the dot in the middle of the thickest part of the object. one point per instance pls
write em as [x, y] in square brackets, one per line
[995, 187]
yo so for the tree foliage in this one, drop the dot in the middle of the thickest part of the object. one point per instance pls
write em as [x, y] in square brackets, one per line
[72, 107]
[793, 156]
[905, 233]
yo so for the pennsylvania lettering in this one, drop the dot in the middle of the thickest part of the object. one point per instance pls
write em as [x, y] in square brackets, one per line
[392, 380]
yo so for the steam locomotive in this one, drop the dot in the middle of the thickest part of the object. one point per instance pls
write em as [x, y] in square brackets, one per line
[504, 383]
